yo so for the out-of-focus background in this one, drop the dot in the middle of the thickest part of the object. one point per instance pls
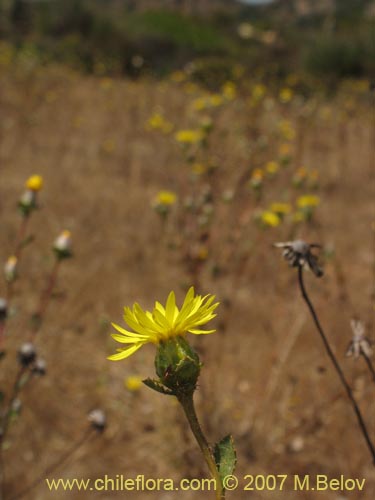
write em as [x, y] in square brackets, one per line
[177, 141]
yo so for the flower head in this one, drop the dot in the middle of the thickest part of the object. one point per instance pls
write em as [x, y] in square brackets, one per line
[63, 245]
[269, 219]
[298, 253]
[359, 344]
[34, 183]
[164, 323]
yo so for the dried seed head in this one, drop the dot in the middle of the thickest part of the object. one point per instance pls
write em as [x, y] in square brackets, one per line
[40, 367]
[3, 309]
[97, 419]
[299, 254]
[26, 354]
[360, 344]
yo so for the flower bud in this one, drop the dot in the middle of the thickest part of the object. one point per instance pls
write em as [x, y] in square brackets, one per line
[27, 202]
[97, 419]
[177, 365]
[10, 269]
[63, 245]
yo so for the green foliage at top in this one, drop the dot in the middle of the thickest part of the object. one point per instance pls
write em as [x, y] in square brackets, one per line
[106, 37]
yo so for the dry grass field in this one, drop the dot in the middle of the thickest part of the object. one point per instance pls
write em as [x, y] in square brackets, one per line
[266, 378]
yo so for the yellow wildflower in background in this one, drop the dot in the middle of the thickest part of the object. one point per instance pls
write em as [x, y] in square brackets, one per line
[158, 122]
[272, 167]
[258, 92]
[189, 136]
[281, 209]
[229, 91]
[199, 168]
[164, 322]
[216, 100]
[34, 183]
[166, 198]
[269, 219]
[287, 130]
[308, 201]
[286, 95]
[133, 383]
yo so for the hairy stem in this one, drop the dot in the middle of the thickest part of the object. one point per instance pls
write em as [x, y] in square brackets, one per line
[187, 404]
[336, 365]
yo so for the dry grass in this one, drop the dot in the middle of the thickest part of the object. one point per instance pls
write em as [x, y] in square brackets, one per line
[266, 377]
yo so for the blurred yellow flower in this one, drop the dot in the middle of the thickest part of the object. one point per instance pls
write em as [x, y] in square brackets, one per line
[259, 91]
[308, 201]
[158, 122]
[287, 130]
[216, 100]
[285, 149]
[270, 219]
[272, 167]
[133, 383]
[189, 136]
[34, 183]
[164, 322]
[199, 168]
[166, 198]
[281, 208]
[229, 91]
[286, 95]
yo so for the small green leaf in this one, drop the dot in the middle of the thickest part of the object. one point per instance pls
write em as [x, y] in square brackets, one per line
[157, 386]
[225, 456]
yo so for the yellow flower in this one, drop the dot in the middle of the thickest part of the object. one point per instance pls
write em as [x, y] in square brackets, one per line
[189, 136]
[216, 100]
[133, 383]
[272, 167]
[166, 198]
[163, 323]
[158, 122]
[281, 208]
[200, 103]
[286, 130]
[259, 91]
[34, 183]
[199, 168]
[308, 201]
[257, 174]
[285, 149]
[229, 91]
[286, 95]
[270, 219]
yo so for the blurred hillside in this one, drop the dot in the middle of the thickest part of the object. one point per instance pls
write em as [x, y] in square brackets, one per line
[325, 39]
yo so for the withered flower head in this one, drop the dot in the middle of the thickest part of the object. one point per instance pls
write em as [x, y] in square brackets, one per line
[299, 254]
[359, 344]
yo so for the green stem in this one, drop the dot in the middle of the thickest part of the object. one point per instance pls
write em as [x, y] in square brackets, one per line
[187, 404]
